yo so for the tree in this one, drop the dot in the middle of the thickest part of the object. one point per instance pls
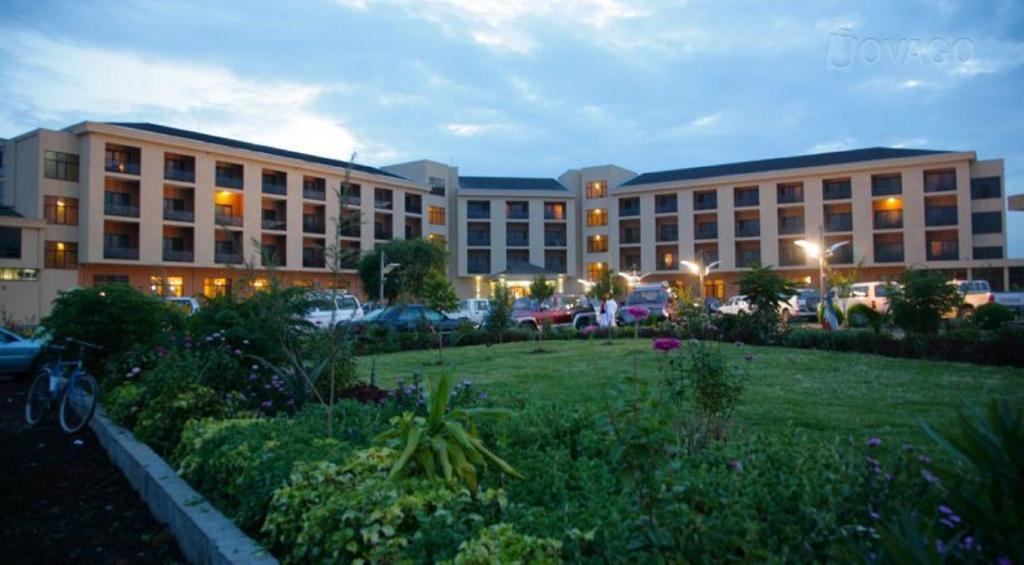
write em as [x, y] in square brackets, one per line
[541, 290]
[439, 295]
[500, 316]
[919, 304]
[418, 258]
[606, 286]
[764, 288]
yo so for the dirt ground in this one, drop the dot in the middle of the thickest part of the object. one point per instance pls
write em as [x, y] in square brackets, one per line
[63, 501]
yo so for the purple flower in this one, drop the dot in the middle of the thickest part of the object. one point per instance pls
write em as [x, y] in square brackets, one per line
[1004, 560]
[947, 523]
[238, 352]
[482, 395]
[945, 509]
[638, 312]
[939, 546]
[736, 465]
[266, 403]
[589, 330]
[874, 442]
[924, 459]
[928, 476]
[666, 344]
[874, 515]
[968, 543]
[136, 370]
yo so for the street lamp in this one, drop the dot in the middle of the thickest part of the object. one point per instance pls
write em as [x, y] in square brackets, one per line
[700, 271]
[384, 270]
[632, 279]
[814, 251]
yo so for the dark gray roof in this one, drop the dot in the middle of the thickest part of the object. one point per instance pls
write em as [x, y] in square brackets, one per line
[511, 183]
[780, 163]
[206, 138]
[9, 212]
[527, 269]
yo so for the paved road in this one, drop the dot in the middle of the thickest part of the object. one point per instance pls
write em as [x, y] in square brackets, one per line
[63, 501]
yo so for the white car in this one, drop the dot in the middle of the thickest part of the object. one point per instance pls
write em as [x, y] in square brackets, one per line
[474, 310]
[17, 354]
[874, 295]
[973, 294]
[188, 305]
[339, 309]
[788, 309]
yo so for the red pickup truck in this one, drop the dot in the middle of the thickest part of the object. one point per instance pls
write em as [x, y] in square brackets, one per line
[558, 310]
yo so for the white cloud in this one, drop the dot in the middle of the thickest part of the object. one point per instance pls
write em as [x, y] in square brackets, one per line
[913, 143]
[66, 82]
[469, 130]
[833, 145]
[706, 120]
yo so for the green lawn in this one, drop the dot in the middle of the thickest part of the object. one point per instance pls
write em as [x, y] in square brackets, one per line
[822, 392]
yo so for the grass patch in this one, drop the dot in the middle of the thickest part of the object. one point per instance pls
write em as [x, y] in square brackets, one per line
[821, 392]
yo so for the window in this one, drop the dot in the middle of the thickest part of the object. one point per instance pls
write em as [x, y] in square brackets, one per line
[19, 274]
[986, 187]
[597, 217]
[517, 210]
[437, 186]
[516, 257]
[938, 181]
[746, 197]
[179, 167]
[216, 287]
[122, 159]
[789, 193]
[707, 200]
[435, 215]
[555, 261]
[104, 280]
[989, 252]
[554, 210]
[629, 207]
[597, 189]
[987, 222]
[665, 204]
[882, 185]
[60, 166]
[10, 243]
[596, 270]
[60, 210]
[597, 244]
[478, 209]
[478, 261]
[836, 189]
[61, 255]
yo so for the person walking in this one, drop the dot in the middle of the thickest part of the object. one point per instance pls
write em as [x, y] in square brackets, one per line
[602, 314]
[611, 307]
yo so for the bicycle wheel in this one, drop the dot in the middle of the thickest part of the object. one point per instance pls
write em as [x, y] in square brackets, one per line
[78, 403]
[37, 403]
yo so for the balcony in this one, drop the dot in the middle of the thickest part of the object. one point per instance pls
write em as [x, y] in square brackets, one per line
[517, 239]
[943, 250]
[838, 222]
[354, 200]
[888, 219]
[383, 234]
[119, 252]
[791, 225]
[748, 258]
[313, 225]
[227, 257]
[836, 190]
[225, 181]
[480, 213]
[707, 230]
[889, 252]
[842, 256]
[630, 236]
[122, 166]
[940, 216]
[668, 233]
[383, 204]
[554, 265]
[313, 258]
[666, 205]
[707, 201]
[748, 228]
[178, 215]
[179, 256]
[554, 239]
[478, 238]
[227, 220]
[274, 224]
[180, 175]
[412, 207]
[314, 193]
[747, 198]
[626, 211]
[273, 187]
[554, 213]
[790, 195]
[117, 209]
[478, 266]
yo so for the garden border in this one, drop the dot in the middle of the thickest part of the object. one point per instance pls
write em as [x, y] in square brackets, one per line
[204, 534]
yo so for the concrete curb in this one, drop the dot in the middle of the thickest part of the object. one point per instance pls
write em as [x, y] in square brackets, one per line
[203, 533]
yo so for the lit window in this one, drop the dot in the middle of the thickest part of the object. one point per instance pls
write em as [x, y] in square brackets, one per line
[597, 217]
[597, 189]
[436, 215]
[61, 255]
[596, 270]
[597, 243]
[60, 210]
[216, 286]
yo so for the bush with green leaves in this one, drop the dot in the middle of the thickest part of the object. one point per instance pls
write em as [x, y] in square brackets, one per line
[330, 513]
[702, 376]
[501, 543]
[992, 316]
[921, 300]
[764, 288]
[419, 259]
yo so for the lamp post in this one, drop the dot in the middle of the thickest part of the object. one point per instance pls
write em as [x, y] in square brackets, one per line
[700, 270]
[384, 270]
[819, 252]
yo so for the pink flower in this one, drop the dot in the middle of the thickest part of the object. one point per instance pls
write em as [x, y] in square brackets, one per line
[638, 312]
[666, 344]
[591, 329]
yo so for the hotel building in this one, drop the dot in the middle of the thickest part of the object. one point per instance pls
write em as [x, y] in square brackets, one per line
[175, 212]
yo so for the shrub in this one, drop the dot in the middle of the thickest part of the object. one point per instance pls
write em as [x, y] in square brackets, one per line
[501, 543]
[702, 375]
[763, 288]
[919, 304]
[863, 316]
[992, 316]
[331, 513]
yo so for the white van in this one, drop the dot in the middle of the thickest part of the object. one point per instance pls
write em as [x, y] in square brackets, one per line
[874, 295]
[341, 308]
[474, 309]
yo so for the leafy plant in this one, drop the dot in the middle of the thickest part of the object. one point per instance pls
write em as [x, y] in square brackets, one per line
[701, 374]
[439, 443]
[764, 288]
[501, 543]
[419, 259]
[919, 303]
[500, 316]
[992, 316]
[439, 295]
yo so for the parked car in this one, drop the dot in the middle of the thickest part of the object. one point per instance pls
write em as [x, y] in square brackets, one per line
[805, 302]
[972, 295]
[792, 307]
[186, 304]
[655, 297]
[407, 317]
[17, 354]
[584, 312]
[873, 294]
[474, 310]
[1012, 300]
[341, 308]
[557, 310]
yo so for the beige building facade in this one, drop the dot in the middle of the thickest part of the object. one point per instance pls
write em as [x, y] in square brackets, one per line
[176, 212]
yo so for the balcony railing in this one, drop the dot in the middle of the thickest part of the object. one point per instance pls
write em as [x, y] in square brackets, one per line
[838, 222]
[842, 256]
[790, 258]
[227, 220]
[114, 252]
[475, 213]
[383, 234]
[350, 200]
[313, 226]
[789, 225]
[179, 215]
[179, 256]
[274, 188]
[888, 252]
[517, 214]
[888, 219]
[226, 181]
[837, 191]
[748, 228]
[437, 190]
[413, 209]
[383, 204]
[180, 175]
[747, 199]
[554, 239]
[666, 207]
[412, 232]
[668, 233]
[313, 259]
[314, 193]
[126, 210]
[748, 258]
[554, 215]
[554, 266]
[790, 196]
[124, 167]
[705, 203]
[274, 224]
[228, 258]
[630, 236]
[940, 216]
[706, 231]
[478, 239]
[627, 211]
[478, 266]
[517, 239]
[946, 250]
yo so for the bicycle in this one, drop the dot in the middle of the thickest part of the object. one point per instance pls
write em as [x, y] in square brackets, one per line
[75, 395]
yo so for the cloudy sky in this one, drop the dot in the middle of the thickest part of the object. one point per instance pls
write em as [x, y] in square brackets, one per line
[532, 87]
